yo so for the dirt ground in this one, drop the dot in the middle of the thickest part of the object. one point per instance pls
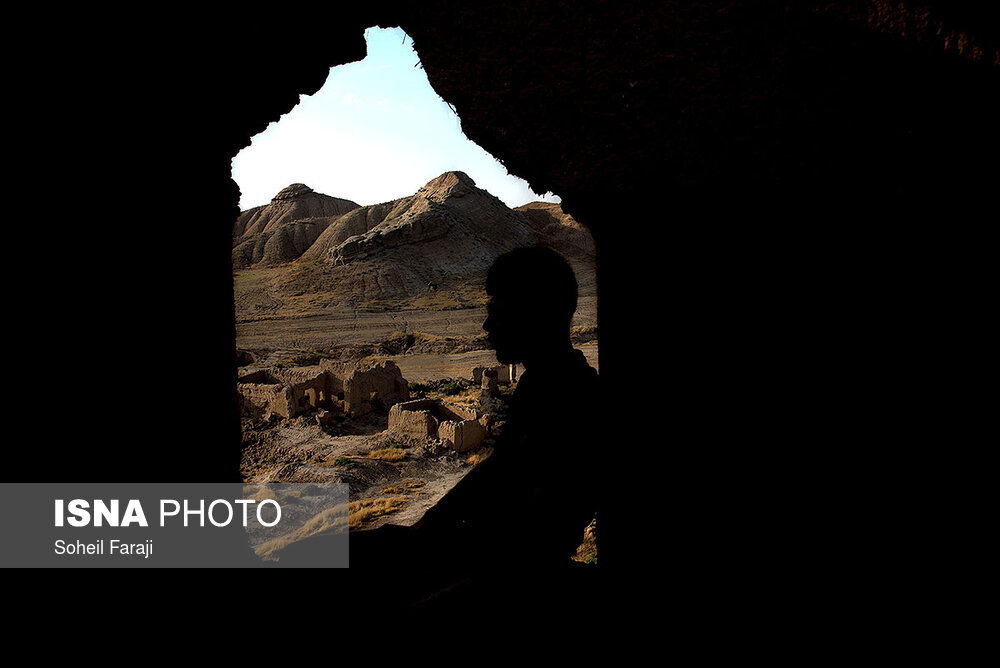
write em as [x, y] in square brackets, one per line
[391, 479]
[345, 327]
[422, 367]
[415, 477]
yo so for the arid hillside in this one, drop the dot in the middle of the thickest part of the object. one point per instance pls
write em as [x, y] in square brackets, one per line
[285, 228]
[314, 279]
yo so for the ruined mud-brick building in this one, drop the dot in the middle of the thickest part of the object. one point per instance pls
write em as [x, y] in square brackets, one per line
[503, 374]
[353, 388]
[366, 383]
[791, 204]
[458, 428]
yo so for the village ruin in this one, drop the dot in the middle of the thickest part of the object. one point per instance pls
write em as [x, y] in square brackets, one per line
[492, 377]
[457, 427]
[354, 389]
[329, 385]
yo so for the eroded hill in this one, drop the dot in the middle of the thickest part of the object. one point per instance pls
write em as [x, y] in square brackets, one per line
[427, 252]
[284, 229]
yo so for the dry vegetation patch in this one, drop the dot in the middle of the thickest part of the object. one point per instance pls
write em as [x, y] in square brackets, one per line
[480, 455]
[365, 511]
[403, 487]
[388, 454]
[338, 462]
[330, 519]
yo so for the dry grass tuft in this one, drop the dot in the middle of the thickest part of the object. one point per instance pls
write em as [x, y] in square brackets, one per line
[479, 456]
[365, 511]
[388, 454]
[338, 462]
[403, 487]
[464, 396]
[332, 518]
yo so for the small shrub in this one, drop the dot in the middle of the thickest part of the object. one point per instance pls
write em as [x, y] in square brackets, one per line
[451, 388]
[344, 462]
[498, 411]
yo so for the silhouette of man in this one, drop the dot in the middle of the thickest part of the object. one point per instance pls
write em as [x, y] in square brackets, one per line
[513, 522]
[531, 500]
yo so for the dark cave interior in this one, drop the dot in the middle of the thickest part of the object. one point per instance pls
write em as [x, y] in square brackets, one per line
[787, 202]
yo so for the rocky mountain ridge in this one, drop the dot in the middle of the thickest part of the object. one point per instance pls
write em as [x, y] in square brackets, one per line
[431, 249]
[300, 223]
[284, 229]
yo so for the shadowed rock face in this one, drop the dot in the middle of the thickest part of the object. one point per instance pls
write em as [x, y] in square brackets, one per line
[713, 104]
[283, 244]
[560, 230]
[728, 103]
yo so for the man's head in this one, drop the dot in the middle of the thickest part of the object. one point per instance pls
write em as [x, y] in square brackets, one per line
[532, 299]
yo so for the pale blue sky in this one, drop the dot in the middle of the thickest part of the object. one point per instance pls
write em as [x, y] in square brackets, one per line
[374, 132]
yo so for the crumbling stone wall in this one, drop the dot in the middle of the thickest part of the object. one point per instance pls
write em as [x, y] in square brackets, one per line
[309, 394]
[260, 376]
[462, 436]
[262, 393]
[261, 399]
[503, 374]
[287, 392]
[459, 428]
[311, 386]
[350, 387]
[414, 418]
[380, 381]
